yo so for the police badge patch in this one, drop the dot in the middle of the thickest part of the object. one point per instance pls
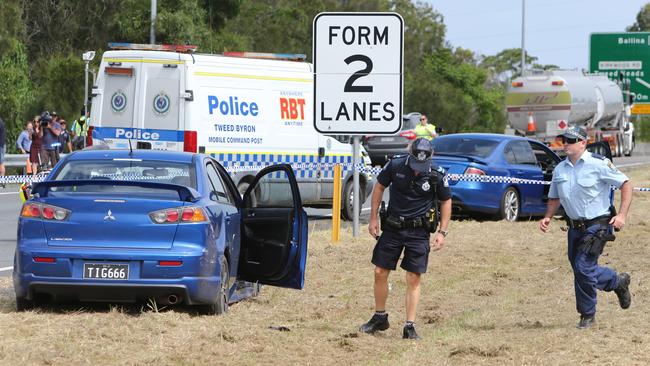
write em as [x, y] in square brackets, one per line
[426, 186]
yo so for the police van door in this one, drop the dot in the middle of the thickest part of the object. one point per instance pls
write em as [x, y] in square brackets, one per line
[161, 106]
[118, 107]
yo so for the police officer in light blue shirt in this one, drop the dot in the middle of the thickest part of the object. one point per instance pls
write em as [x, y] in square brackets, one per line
[582, 184]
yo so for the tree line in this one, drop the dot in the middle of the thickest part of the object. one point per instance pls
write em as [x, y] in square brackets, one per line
[41, 42]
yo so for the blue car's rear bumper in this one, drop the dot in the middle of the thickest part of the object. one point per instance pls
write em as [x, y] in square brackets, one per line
[195, 281]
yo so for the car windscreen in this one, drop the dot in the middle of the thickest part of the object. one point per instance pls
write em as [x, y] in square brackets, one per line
[467, 146]
[126, 169]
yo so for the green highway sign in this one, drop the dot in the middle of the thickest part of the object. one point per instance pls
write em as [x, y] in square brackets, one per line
[628, 54]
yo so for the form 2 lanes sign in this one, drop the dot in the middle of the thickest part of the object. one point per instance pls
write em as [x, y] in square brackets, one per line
[358, 66]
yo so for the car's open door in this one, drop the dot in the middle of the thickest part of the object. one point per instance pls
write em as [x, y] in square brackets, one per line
[274, 230]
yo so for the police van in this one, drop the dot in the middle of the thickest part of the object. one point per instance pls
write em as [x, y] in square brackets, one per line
[247, 110]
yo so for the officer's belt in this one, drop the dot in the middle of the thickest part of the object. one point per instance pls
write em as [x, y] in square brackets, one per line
[397, 222]
[584, 224]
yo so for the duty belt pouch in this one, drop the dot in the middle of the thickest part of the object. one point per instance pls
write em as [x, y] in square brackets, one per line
[394, 222]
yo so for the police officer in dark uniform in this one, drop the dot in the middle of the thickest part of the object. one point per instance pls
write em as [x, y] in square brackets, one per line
[582, 184]
[417, 186]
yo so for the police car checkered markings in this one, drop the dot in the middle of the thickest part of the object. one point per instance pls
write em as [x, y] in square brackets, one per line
[327, 169]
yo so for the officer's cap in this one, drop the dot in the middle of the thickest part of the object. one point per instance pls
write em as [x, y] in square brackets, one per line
[575, 133]
[421, 151]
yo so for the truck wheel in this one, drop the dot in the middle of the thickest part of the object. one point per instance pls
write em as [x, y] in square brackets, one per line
[629, 152]
[220, 306]
[347, 206]
[510, 205]
[242, 187]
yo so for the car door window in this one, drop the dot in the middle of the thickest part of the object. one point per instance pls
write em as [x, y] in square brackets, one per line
[546, 159]
[522, 152]
[509, 155]
[217, 185]
[231, 188]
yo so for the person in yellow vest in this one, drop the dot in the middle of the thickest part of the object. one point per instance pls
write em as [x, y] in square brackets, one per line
[425, 130]
[79, 131]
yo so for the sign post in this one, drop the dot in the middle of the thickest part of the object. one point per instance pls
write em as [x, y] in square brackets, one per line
[624, 56]
[358, 82]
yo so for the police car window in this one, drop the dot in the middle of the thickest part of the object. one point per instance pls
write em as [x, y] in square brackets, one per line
[217, 185]
[523, 153]
[545, 158]
[509, 155]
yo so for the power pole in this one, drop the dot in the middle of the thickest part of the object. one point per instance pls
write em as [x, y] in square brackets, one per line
[152, 33]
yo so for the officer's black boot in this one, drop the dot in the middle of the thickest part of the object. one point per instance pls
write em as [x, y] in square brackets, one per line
[410, 333]
[586, 321]
[623, 290]
[377, 322]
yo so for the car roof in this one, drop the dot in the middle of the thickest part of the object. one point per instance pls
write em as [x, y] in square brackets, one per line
[485, 136]
[174, 156]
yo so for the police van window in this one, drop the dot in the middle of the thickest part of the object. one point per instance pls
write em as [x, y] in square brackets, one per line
[217, 185]
[523, 153]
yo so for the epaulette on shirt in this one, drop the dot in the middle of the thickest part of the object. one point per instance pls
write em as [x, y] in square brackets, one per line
[598, 156]
[441, 170]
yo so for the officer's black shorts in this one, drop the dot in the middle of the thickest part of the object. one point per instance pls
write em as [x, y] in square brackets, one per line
[414, 242]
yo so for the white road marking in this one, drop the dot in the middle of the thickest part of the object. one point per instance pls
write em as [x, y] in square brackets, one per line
[6, 268]
[9, 192]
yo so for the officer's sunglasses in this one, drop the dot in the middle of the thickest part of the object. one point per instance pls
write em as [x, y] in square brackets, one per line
[569, 140]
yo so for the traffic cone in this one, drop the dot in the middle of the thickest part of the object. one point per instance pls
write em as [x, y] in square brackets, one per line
[530, 129]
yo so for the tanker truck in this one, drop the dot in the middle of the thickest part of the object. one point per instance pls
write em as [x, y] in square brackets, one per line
[542, 104]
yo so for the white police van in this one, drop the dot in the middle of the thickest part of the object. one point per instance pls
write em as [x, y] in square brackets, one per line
[247, 110]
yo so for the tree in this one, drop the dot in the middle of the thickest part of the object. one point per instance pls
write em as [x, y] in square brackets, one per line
[642, 23]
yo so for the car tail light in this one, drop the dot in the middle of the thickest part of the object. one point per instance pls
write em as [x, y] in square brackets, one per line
[44, 259]
[178, 215]
[46, 212]
[189, 141]
[474, 171]
[170, 263]
[408, 134]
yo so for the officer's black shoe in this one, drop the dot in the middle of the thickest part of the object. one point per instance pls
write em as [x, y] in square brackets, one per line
[377, 322]
[623, 290]
[410, 333]
[586, 321]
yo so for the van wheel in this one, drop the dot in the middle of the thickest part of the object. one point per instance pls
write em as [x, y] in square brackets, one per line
[510, 205]
[220, 306]
[347, 206]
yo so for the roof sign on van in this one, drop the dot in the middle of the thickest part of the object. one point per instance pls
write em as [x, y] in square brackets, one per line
[152, 47]
[268, 56]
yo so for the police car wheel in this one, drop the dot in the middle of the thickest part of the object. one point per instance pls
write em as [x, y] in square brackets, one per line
[510, 205]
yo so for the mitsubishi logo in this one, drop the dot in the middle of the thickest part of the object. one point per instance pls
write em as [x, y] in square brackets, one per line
[109, 216]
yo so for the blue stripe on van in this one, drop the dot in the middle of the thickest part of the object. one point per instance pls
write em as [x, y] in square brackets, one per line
[147, 134]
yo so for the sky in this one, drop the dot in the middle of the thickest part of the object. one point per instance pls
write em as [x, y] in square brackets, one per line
[556, 31]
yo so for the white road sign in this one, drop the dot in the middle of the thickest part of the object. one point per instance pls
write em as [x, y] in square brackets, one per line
[358, 63]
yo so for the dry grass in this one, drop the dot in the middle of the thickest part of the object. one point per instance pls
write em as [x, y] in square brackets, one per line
[498, 294]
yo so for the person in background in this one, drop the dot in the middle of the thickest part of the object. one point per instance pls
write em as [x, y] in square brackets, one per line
[36, 147]
[80, 131]
[3, 149]
[24, 143]
[51, 132]
[64, 138]
[425, 130]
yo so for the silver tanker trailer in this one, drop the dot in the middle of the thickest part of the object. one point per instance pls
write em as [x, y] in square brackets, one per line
[542, 104]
